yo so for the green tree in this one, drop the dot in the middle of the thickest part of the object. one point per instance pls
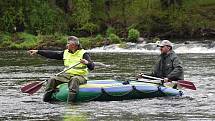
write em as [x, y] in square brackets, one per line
[82, 12]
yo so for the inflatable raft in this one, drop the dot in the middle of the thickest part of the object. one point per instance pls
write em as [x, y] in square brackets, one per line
[112, 90]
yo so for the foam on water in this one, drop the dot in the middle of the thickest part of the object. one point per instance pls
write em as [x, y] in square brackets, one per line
[192, 47]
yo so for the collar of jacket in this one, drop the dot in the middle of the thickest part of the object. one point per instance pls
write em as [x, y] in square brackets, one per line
[71, 51]
[166, 55]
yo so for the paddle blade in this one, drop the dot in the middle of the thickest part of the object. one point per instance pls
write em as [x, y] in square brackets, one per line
[32, 87]
[27, 86]
[187, 84]
[35, 89]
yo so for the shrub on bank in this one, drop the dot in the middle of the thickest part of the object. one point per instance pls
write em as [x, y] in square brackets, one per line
[133, 35]
[114, 39]
[98, 40]
[18, 41]
[90, 27]
[28, 42]
[109, 31]
[24, 41]
[86, 42]
[5, 40]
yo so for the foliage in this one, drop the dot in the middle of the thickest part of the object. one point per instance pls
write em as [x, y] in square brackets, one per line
[114, 38]
[99, 39]
[110, 30]
[5, 37]
[24, 41]
[133, 35]
[86, 42]
[19, 41]
[5, 40]
[123, 45]
[51, 21]
[55, 41]
[35, 16]
[89, 42]
[82, 12]
[90, 27]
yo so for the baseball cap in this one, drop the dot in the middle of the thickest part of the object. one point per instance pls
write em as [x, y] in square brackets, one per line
[164, 43]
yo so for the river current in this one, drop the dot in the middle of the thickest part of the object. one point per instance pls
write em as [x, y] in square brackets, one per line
[18, 68]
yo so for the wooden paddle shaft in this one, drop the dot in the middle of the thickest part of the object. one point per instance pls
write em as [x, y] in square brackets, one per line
[183, 83]
[151, 77]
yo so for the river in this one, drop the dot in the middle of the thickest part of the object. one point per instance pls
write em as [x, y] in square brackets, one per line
[18, 68]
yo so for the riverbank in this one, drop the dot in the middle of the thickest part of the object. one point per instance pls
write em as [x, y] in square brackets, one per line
[44, 24]
[25, 41]
[20, 41]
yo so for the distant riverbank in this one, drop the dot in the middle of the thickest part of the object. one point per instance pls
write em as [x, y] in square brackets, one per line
[44, 24]
[25, 41]
[20, 41]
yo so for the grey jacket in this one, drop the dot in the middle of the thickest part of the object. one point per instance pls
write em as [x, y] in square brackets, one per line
[169, 66]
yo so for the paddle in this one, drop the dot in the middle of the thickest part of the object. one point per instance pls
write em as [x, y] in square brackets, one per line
[182, 83]
[101, 64]
[35, 86]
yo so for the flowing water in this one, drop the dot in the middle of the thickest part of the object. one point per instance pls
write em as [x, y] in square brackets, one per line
[17, 68]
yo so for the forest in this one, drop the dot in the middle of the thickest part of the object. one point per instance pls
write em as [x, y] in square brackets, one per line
[29, 24]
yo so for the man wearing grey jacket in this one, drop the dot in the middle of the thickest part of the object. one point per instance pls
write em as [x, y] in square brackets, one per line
[169, 66]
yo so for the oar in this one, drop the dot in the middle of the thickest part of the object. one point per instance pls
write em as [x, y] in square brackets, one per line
[35, 86]
[182, 83]
[32, 87]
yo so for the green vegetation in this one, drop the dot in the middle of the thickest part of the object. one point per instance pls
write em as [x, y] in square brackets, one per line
[26, 24]
[114, 39]
[133, 35]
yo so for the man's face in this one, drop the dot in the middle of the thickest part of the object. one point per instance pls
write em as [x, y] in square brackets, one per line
[71, 45]
[164, 49]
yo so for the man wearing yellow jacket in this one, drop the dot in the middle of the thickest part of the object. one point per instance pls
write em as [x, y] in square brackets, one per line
[74, 76]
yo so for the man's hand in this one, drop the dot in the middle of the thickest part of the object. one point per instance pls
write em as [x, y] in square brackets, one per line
[139, 75]
[32, 52]
[84, 61]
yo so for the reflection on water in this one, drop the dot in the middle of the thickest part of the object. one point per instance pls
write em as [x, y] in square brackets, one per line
[17, 67]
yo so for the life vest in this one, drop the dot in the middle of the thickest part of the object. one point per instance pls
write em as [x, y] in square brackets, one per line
[73, 58]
